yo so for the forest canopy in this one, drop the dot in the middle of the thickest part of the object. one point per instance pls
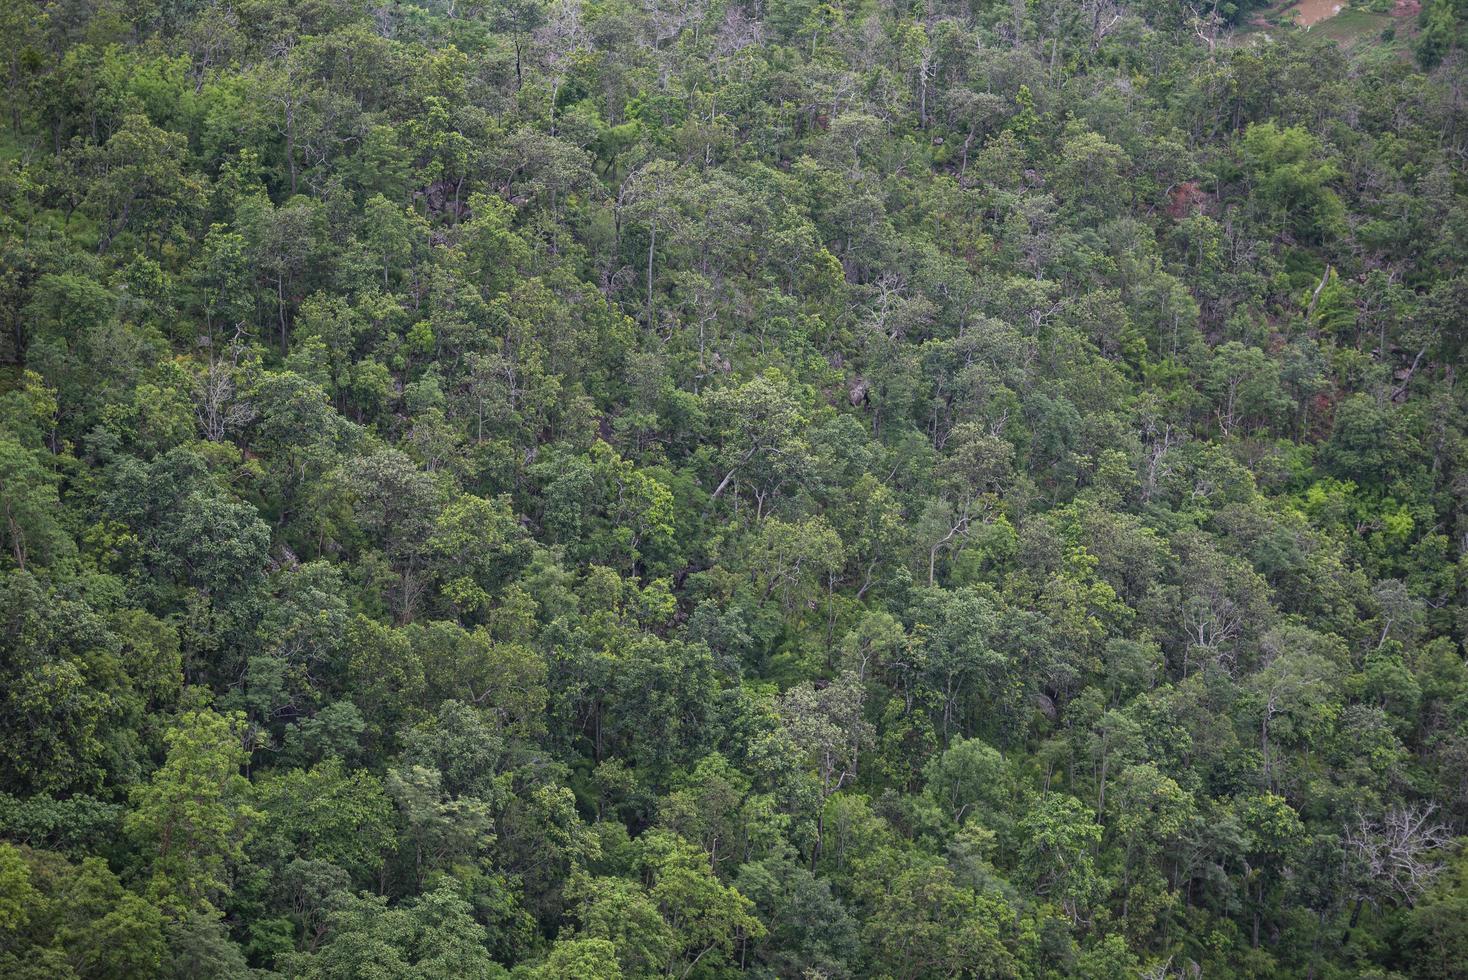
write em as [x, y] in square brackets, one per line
[807, 489]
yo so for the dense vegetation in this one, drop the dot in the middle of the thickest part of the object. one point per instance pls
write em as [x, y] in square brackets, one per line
[592, 489]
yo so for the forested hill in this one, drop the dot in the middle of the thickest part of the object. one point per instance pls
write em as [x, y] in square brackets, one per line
[806, 489]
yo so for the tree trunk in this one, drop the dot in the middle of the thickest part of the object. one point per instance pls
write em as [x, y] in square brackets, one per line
[652, 242]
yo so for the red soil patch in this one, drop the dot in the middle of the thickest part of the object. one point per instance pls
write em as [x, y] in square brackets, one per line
[1185, 198]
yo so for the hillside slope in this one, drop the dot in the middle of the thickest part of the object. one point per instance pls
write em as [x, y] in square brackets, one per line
[582, 488]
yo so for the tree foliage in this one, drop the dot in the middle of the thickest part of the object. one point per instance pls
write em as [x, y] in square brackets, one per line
[544, 489]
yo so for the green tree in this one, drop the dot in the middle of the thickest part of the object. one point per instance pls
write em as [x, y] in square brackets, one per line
[433, 937]
[1291, 174]
[969, 779]
[1057, 840]
[322, 814]
[594, 959]
[29, 504]
[196, 812]
[137, 182]
[707, 918]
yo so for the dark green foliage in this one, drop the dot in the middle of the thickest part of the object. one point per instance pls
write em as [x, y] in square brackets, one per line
[552, 489]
